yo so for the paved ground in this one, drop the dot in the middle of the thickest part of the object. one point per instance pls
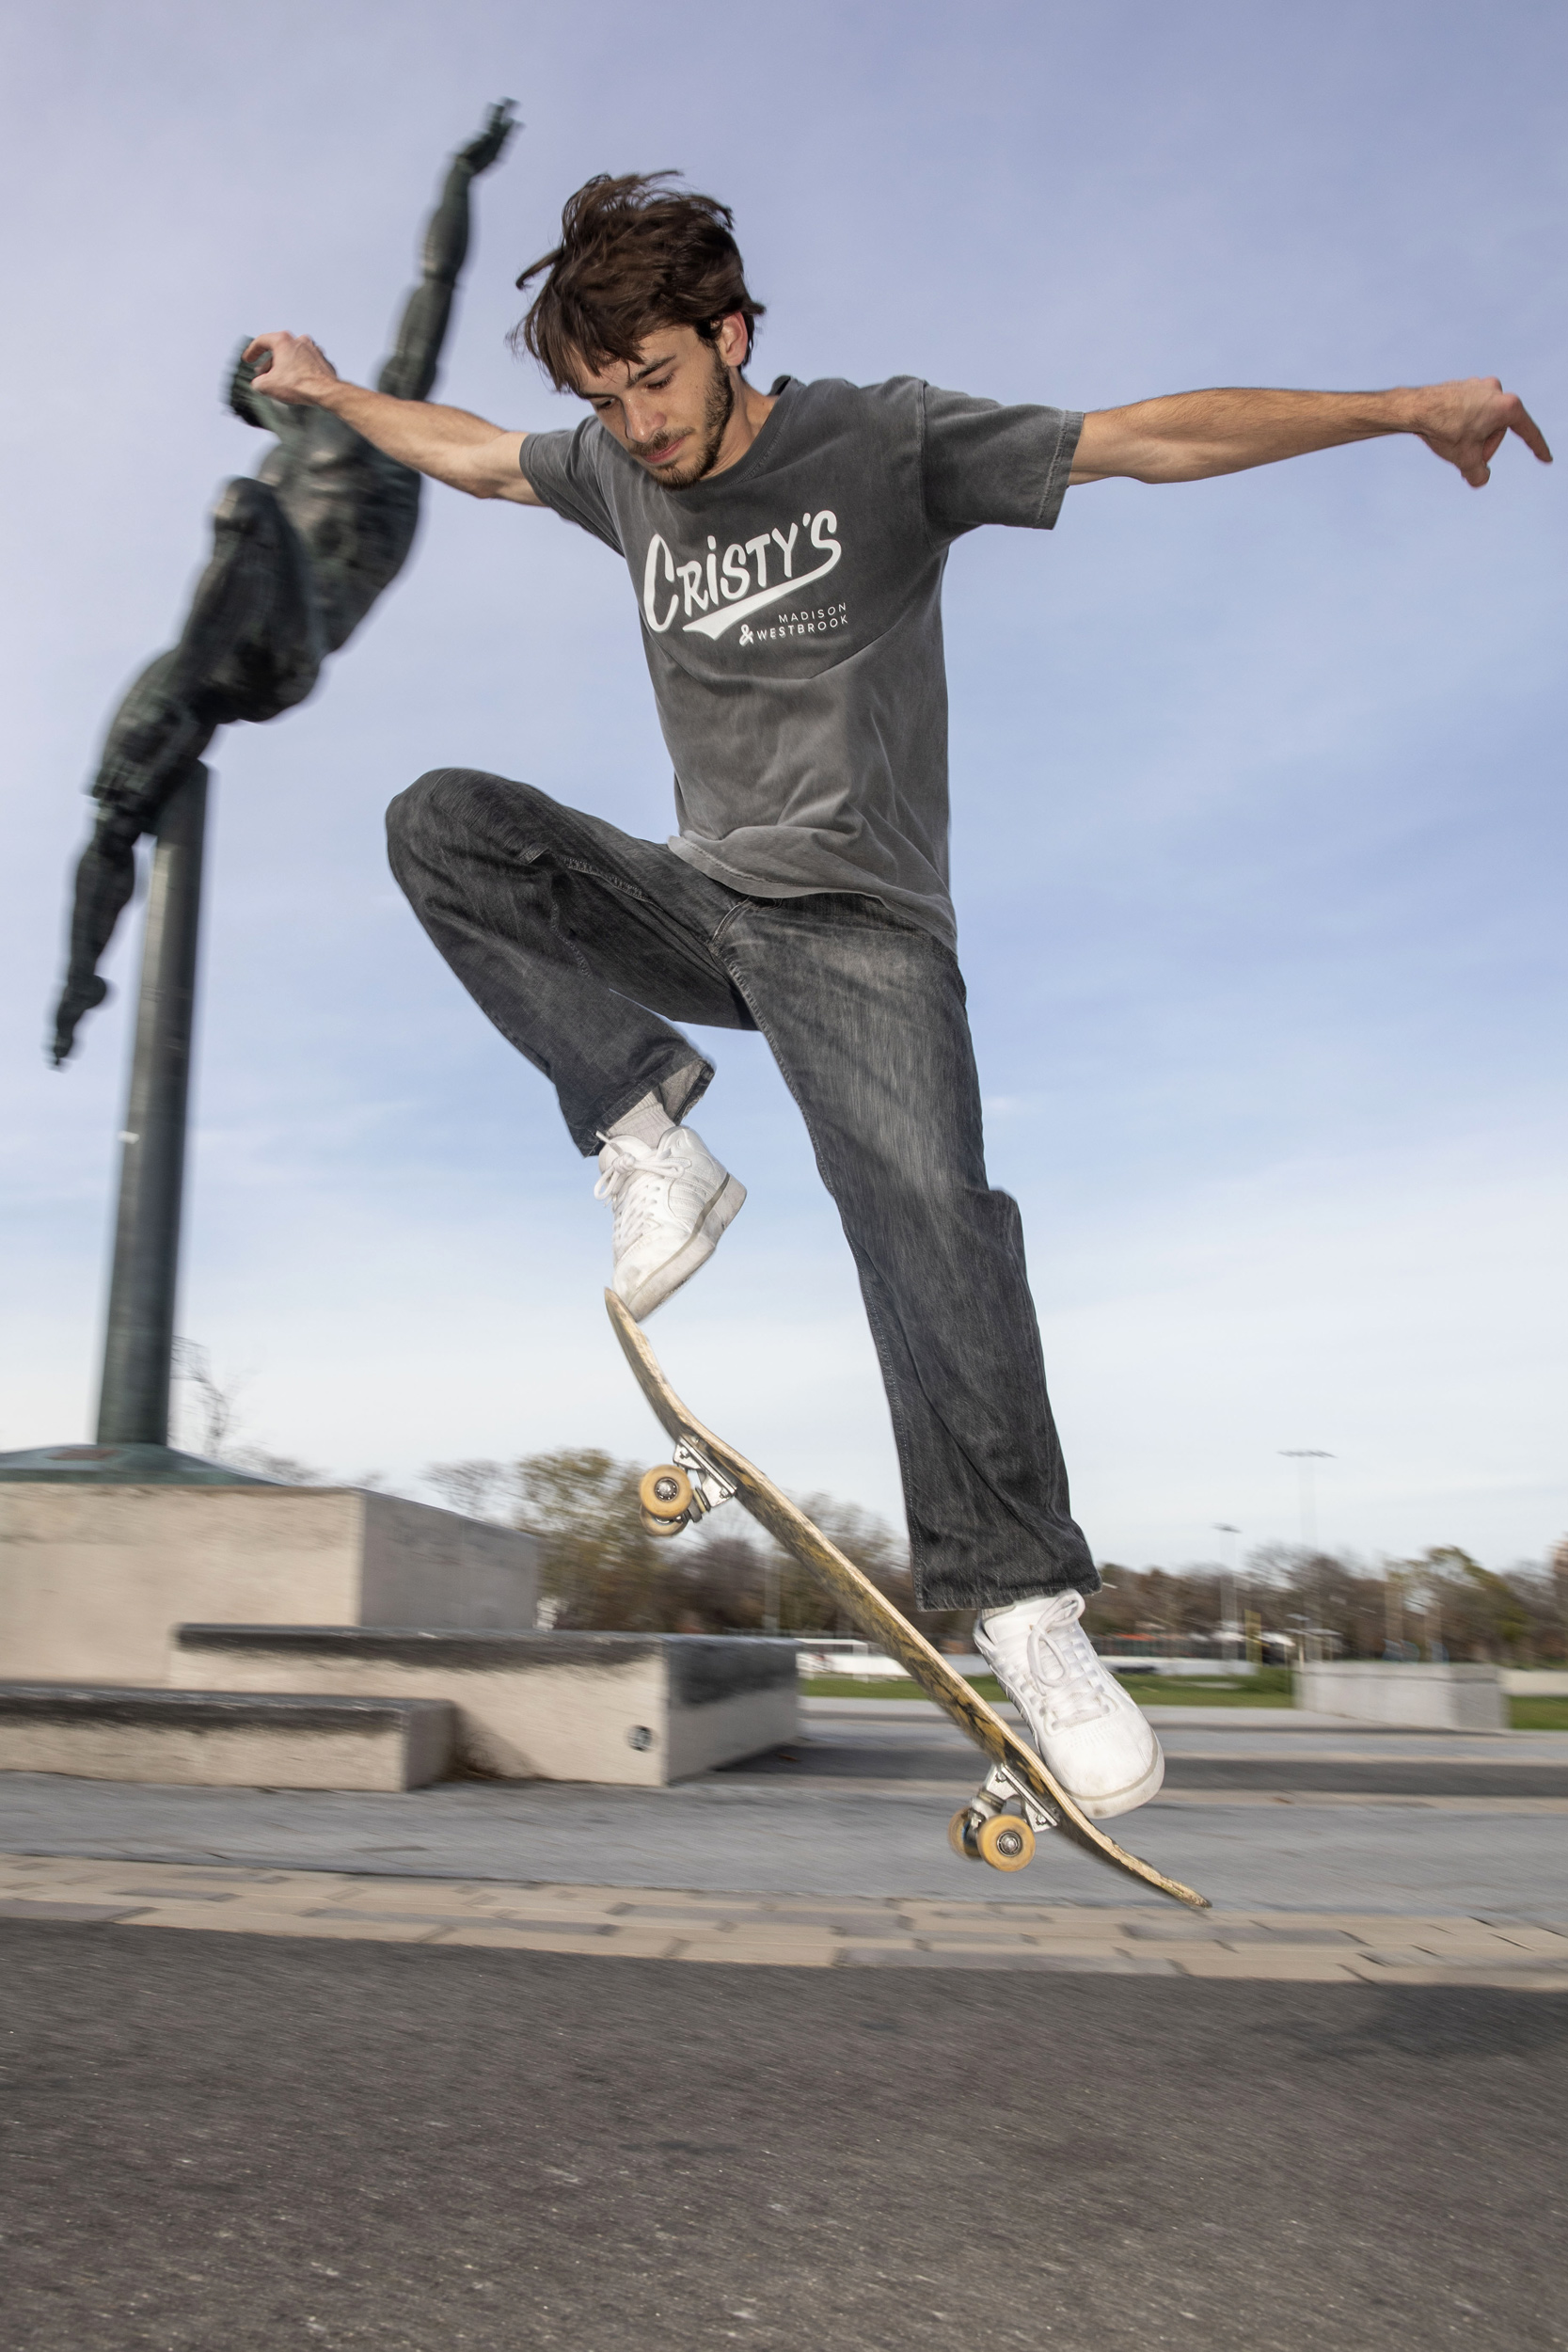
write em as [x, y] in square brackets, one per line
[806, 1932]
[241, 2142]
[863, 1811]
[402, 2099]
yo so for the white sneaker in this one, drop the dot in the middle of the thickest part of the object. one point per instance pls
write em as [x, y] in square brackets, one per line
[1097, 1742]
[671, 1202]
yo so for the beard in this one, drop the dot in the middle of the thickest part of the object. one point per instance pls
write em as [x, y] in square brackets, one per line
[699, 452]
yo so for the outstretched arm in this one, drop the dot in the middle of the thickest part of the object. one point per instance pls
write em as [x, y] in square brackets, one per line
[448, 444]
[410, 372]
[1192, 435]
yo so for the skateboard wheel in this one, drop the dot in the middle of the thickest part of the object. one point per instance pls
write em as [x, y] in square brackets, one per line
[1005, 1841]
[959, 1836]
[664, 1500]
[660, 1527]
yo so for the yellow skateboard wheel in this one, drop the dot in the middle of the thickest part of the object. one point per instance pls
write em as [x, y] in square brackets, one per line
[664, 1500]
[958, 1836]
[1005, 1841]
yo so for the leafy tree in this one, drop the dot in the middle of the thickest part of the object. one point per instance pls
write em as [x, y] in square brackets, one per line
[599, 1566]
[602, 1572]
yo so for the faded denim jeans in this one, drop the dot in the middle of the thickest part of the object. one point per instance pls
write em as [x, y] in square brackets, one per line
[584, 946]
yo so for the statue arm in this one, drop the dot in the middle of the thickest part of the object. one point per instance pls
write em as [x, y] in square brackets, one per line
[410, 372]
[449, 444]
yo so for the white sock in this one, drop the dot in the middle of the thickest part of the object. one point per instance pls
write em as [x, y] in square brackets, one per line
[994, 1610]
[647, 1121]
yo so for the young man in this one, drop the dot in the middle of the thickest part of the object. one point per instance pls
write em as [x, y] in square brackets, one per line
[787, 550]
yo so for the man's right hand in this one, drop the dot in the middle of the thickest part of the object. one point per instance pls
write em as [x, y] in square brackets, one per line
[295, 369]
[448, 444]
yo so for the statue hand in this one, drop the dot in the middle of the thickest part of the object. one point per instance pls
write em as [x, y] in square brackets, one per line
[238, 394]
[481, 153]
[289, 368]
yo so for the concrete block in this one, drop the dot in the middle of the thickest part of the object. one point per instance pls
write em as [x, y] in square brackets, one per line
[223, 1739]
[636, 1709]
[1417, 1697]
[93, 1578]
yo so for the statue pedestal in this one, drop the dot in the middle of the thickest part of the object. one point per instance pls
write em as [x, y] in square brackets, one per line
[94, 1578]
[323, 1637]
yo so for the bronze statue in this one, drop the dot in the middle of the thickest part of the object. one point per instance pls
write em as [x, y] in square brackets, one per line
[301, 551]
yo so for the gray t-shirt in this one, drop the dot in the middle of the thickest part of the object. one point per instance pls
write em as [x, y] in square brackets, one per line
[792, 620]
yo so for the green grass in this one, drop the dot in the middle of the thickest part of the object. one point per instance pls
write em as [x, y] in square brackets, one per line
[1268, 1687]
[858, 1687]
[1538, 1714]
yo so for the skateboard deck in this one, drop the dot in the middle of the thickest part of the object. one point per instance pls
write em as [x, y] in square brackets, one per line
[706, 1471]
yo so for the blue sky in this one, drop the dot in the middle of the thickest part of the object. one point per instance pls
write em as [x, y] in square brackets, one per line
[1258, 784]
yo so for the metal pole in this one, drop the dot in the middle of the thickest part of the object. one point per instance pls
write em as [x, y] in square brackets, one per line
[1307, 1458]
[138, 1345]
[1230, 1627]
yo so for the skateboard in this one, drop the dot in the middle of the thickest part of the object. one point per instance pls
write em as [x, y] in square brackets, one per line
[1018, 1795]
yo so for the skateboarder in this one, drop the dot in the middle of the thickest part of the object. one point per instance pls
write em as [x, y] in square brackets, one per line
[787, 550]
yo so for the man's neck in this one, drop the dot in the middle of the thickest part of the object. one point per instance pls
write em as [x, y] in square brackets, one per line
[750, 413]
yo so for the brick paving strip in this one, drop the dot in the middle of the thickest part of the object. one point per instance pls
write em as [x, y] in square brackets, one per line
[800, 1932]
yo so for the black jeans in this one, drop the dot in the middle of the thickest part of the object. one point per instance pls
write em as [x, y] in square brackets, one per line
[578, 940]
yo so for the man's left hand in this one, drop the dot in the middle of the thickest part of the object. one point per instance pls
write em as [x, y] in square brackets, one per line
[1467, 422]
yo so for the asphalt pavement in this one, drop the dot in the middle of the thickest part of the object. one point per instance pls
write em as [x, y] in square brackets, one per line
[367, 2118]
[860, 1807]
[231, 2145]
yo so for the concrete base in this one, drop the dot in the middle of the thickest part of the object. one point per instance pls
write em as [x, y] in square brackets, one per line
[1418, 1698]
[630, 1709]
[93, 1578]
[215, 1739]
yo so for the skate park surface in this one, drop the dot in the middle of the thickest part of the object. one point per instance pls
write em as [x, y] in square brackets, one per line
[755, 2058]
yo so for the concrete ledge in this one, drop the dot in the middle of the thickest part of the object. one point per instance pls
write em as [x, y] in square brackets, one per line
[1415, 1697]
[224, 1738]
[637, 1710]
[92, 1576]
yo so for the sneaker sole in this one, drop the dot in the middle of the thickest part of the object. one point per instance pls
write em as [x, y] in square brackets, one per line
[1123, 1800]
[1105, 1808]
[666, 1280]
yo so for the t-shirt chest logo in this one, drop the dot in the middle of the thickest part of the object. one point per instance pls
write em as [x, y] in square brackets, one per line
[713, 593]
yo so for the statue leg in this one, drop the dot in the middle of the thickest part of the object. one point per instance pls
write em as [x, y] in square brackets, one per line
[106, 878]
[251, 647]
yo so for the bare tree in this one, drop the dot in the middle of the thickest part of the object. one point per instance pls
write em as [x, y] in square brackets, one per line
[287, 1468]
[479, 1489]
[1445, 1602]
[212, 1403]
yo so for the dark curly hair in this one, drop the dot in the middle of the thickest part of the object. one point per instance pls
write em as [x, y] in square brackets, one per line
[635, 255]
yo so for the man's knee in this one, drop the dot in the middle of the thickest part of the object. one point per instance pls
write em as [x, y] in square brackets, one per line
[438, 810]
[459, 805]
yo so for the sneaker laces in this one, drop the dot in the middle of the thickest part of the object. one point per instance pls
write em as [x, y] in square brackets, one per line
[1064, 1664]
[634, 1185]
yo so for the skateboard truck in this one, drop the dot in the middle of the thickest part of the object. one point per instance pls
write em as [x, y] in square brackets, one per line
[675, 1493]
[985, 1830]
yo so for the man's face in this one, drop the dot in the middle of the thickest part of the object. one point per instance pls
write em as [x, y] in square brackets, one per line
[670, 408]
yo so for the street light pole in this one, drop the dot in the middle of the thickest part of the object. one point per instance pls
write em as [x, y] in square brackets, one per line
[1230, 1622]
[1306, 1458]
